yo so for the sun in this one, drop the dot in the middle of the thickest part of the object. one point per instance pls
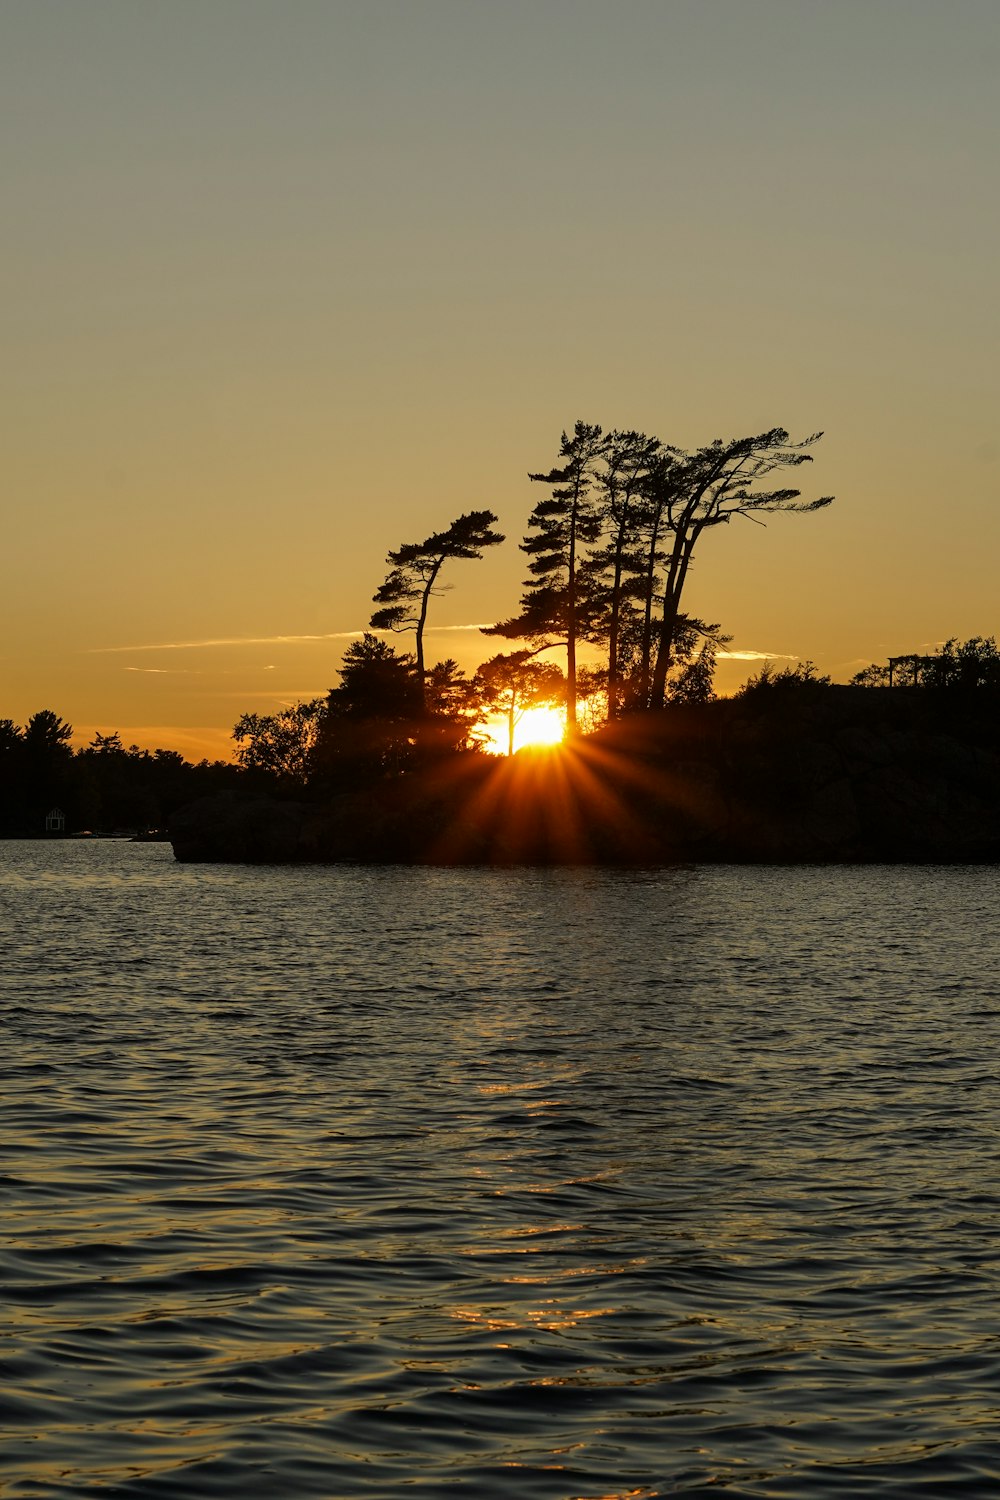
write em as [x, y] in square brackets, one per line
[536, 727]
[540, 726]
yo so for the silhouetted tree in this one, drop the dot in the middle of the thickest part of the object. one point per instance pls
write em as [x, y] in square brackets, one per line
[452, 709]
[772, 679]
[280, 744]
[554, 607]
[46, 756]
[692, 666]
[45, 734]
[406, 593]
[969, 665]
[662, 486]
[107, 744]
[511, 684]
[369, 723]
[617, 561]
[712, 485]
[695, 648]
[874, 675]
[377, 681]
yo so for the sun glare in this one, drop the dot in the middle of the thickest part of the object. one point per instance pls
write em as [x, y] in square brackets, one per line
[537, 726]
[540, 726]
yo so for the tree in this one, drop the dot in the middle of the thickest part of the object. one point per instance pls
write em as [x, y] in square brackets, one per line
[47, 760]
[709, 488]
[661, 488]
[612, 569]
[511, 684]
[48, 736]
[772, 679]
[406, 593]
[376, 681]
[280, 744]
[10, 737]
[695, 648]
[452, 709]
[970, 664]
[554, 605]
[874, 675]
[368, 727]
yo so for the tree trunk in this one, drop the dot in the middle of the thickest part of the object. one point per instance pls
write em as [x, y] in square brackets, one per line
[616, 604]
[571, 627]
[424, 602]
[671, 609]
[649, 590]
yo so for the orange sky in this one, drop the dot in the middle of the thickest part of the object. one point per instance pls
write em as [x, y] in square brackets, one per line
[289, 285]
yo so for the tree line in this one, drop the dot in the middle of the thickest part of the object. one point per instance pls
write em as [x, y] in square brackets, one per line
[963, 665]
[609, 551]
[105, 786]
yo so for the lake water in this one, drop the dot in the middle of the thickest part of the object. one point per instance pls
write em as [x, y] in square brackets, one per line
[346, 1182]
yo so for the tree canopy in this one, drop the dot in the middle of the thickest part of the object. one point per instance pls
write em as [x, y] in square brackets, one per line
[511, 684]
[406, 593]
[965, 665]
[610, 549]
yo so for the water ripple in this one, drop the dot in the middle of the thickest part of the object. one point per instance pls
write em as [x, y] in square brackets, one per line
[343, 1182]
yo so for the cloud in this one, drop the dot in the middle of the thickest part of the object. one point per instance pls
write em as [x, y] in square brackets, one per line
[265, 640]
[231, 640]
[756, 656]
[270, 695]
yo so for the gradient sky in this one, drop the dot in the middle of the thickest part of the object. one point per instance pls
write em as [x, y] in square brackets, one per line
[288, 284]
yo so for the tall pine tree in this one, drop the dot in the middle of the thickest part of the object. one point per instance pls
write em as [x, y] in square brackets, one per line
[555, 606]
[405, 595]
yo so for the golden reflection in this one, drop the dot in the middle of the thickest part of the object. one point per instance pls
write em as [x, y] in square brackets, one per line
[547, 1319]
[633, 1494]
[523, 1231]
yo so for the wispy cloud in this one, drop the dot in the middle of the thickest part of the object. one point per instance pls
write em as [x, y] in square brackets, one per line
[287, 696]
[341, 635]
[265, 640]
[757, 656]
[227, 640]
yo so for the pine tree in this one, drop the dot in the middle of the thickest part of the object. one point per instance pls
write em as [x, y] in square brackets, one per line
[555, 605]
[711, 486]
[406, 593]
[615, 565]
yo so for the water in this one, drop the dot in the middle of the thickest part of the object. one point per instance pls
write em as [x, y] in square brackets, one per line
[568, 1183]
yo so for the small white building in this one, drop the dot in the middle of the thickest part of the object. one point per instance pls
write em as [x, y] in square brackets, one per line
[55, 820]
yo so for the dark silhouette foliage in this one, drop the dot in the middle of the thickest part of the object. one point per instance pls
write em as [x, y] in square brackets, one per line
[280, 744]
[382, 722]
[557, 604]
[771, 679]
[104, 787]
[966, 666]
[405, 595]
[612, 546]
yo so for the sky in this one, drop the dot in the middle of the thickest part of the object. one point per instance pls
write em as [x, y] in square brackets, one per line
[288, 284]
